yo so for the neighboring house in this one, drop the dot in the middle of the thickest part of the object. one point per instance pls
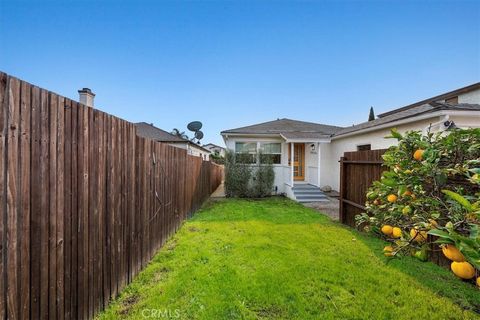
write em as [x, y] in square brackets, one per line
[214, 149]
[317, 148]
[147, 130]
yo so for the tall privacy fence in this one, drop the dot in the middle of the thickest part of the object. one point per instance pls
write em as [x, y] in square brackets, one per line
[84, 202]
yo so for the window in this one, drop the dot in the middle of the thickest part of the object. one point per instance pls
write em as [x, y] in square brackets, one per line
[246, 152]
[271, 153]
[364, 147]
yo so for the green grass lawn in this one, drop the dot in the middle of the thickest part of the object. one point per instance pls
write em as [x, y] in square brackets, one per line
[275, 259]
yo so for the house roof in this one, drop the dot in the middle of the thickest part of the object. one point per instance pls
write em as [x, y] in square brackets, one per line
[213, 145]
[191, 144]
[147, 130]
[442, 96]
[299, 129]
[293, 129]
[408, 113]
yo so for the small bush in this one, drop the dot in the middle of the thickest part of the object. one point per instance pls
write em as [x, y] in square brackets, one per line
[245, 179]
[217, 158]
[263, 180]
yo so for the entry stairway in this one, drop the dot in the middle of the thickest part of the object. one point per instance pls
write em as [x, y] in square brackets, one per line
[308, 193]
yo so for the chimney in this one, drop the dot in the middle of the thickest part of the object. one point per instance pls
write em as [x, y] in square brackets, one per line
[86, 97]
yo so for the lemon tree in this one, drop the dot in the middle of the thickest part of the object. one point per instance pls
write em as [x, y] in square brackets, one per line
[431, 187]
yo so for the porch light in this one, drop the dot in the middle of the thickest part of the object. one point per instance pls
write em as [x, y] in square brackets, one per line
[312, 147]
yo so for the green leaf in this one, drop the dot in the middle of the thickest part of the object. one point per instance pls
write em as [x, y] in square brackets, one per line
[441, 179]
[474, 232]
[395, 134]
[459, 198]
[440, 233]
[389, 182]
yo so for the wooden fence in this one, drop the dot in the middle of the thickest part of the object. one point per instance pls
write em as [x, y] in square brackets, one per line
[358, 169]
[84, 202]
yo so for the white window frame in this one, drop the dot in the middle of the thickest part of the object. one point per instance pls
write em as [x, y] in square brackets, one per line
[259, 148]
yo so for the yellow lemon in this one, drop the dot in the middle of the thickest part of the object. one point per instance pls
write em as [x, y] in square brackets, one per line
[392, 198]
[387, 230]
[388, 251]
[396, 232]
[418, 236]
[452, 253]
[433, 223]
[418, 155]
[463, 270]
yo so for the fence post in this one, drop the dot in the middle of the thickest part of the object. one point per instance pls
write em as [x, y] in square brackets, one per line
[342, 190]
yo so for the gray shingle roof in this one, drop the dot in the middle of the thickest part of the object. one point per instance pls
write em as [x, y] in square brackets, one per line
[285, 126]
[147, 130]
[293, 129]
[408, 113]
[440, 97]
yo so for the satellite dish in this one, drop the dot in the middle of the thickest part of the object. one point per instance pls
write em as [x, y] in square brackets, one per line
[194, 126]
[199, 135]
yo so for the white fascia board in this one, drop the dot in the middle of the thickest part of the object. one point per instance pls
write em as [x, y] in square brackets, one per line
[396, 123]
[250, 135]
[322, 140]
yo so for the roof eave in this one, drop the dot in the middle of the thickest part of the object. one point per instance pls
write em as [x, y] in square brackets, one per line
[406, 120]
[306, 140]
[442, 96]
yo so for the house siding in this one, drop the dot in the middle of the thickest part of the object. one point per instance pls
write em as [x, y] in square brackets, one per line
[376, 139]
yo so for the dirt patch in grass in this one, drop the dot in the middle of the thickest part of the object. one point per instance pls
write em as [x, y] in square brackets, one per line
[269, 312]
[127, 304]
[161, 274]
[193, 229]
[171, 245]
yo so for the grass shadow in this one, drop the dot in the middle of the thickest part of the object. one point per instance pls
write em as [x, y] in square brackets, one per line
[428, 274]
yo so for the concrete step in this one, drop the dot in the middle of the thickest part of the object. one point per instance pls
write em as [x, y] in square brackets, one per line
[303, 196]
[313, 200]
[308, 191]
[307, 187]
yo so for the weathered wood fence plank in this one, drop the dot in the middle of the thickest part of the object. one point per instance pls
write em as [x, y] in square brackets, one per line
[84, 202]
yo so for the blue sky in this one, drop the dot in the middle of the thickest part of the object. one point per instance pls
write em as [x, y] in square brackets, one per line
[235, 63]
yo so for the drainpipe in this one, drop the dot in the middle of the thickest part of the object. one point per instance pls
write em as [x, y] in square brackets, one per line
[318, 164]
[291, 162]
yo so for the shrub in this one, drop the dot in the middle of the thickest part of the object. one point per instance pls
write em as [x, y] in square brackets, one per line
[217, 158]
[245, 179]
[432, 186]
[237, 176]
[263, 179]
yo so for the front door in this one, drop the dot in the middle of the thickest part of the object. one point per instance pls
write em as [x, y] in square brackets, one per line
[298, 161]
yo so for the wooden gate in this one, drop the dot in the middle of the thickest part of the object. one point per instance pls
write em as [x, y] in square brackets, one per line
[358, 169]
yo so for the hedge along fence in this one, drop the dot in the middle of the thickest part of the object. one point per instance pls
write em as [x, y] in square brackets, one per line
[84, 202]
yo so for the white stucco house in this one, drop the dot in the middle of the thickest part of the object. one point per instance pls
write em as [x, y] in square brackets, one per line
[148, 130]
[316, 148]
[214, 149]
